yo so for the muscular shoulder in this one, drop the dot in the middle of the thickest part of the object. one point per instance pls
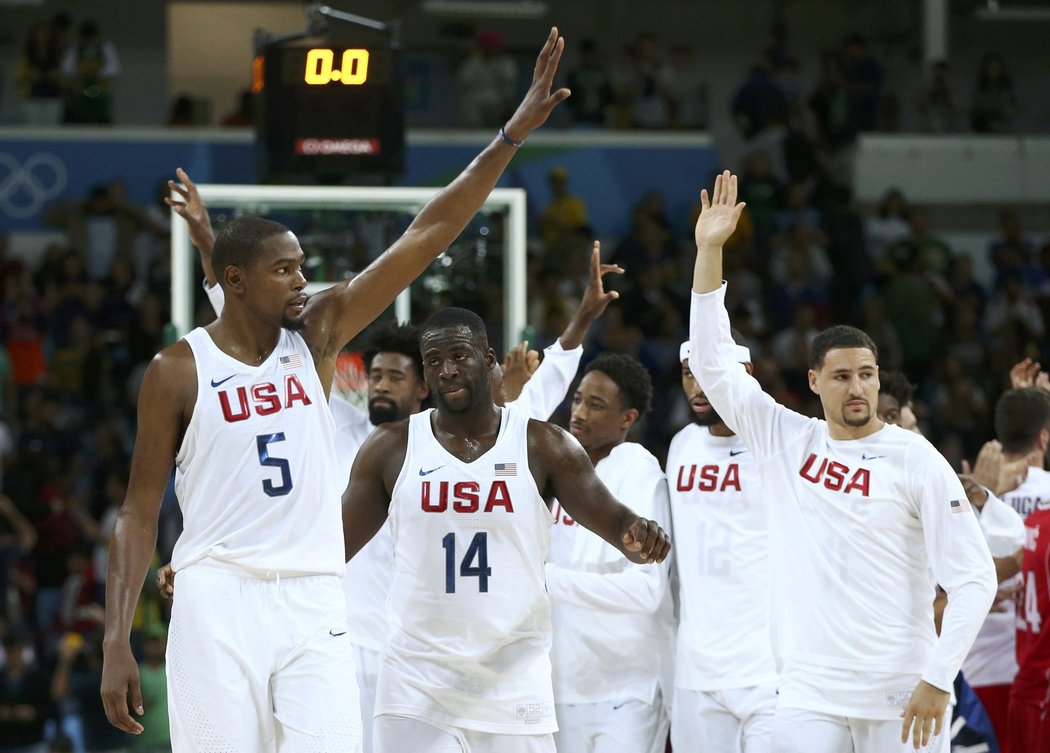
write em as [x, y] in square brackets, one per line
[548, 441]
[173, 370]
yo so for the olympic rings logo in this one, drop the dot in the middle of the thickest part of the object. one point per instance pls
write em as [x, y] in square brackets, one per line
[25, 188]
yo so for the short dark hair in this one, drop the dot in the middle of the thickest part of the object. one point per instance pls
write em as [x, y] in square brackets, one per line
[629, 376]
[839, 336]
[452, 316]
[897, 386]
[1019, 417]
[391, 337]
[238, 242]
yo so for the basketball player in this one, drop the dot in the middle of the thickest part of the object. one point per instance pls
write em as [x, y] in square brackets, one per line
[1030, 694]
[859, 512]
[609, 695]
[241, 408]
[396, 390]
[1022, 427]
[464, 486]
[725, 678]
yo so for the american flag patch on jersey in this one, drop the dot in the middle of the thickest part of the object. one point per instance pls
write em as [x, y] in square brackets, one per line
[293, 361]
[959, 505]
[506, 469]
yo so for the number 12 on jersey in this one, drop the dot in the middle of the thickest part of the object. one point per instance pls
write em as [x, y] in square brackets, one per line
[477, 550]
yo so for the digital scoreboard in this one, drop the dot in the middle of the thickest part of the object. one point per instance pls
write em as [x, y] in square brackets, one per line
[328, 113]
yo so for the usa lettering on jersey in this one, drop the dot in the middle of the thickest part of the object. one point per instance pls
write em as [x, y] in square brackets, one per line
[465, 497]
[835, 476]
[263, 399]
[711, 478]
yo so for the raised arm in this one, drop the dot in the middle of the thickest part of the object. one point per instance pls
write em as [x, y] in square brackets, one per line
[563, 470]
[192, 209]
[594, 301]
[334, 316]
[719, 215]
[546, 389]
[372, 477]
[166, 385]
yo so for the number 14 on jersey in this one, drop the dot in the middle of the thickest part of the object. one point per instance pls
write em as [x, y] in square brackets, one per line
[475, 562]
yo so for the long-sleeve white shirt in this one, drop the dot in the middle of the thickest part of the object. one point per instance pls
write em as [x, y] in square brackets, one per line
[722, 558]
[854, 528]
[613, 619]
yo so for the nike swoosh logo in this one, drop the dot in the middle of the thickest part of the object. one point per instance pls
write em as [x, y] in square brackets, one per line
[216, 384]
[336, 635]
[871, 457]
[734, 453]
[427, 473]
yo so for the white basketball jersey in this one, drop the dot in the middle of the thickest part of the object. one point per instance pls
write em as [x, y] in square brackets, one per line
[256, 474]
[470, 626]
[613, 619]
[993, 660]
[722, 550]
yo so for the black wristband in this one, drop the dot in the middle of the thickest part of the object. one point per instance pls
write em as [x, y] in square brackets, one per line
[508, 140]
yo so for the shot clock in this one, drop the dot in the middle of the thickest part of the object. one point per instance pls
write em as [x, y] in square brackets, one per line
[329, 112]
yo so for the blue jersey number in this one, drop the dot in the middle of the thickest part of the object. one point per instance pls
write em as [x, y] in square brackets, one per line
[479, 549]
[262, 442]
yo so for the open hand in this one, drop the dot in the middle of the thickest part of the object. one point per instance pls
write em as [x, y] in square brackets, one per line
[719, 213]
[539, 100]
[192, 210]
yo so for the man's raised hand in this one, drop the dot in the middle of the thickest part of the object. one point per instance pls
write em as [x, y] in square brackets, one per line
[719, 213]
[539, 101]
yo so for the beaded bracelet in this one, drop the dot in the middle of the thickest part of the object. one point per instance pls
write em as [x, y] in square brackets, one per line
[508, 140]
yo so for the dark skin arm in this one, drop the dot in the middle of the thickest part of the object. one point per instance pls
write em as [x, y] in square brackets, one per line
[165, 400]
[562, 469]
[372, 477]
[334, 316]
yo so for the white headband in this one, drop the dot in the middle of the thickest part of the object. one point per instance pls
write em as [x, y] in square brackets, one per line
[742, 354]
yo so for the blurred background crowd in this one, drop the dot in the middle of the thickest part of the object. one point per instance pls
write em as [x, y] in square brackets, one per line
[79, 324]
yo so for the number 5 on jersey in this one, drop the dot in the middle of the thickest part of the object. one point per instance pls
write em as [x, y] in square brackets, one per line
[477, 549]
[262, 443]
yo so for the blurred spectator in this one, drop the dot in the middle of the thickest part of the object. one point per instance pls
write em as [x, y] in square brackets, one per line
[688, 89]
[17, 539]
[565, 213]
[182, 112]
[89, 67]
[863, 77]
[876, 324]
[487, 83]
[155, 737]
[652, 103]
[758, 104]
[244, 115]
[39, 74]
[994, 101]
[25, 697]
[763, 192]
[934, 252]
[938, 107]
[591, 87]
[1012, 254]
[830, 103]
[889, 226]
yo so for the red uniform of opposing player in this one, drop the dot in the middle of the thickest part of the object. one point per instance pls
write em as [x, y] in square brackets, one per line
[1030, 696]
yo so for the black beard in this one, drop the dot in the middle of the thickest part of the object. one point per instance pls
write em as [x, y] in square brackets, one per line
[383, 414]
[292, 325]
[706, 419]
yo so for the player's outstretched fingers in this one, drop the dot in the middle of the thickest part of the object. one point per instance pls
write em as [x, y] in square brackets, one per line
[908, 717]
